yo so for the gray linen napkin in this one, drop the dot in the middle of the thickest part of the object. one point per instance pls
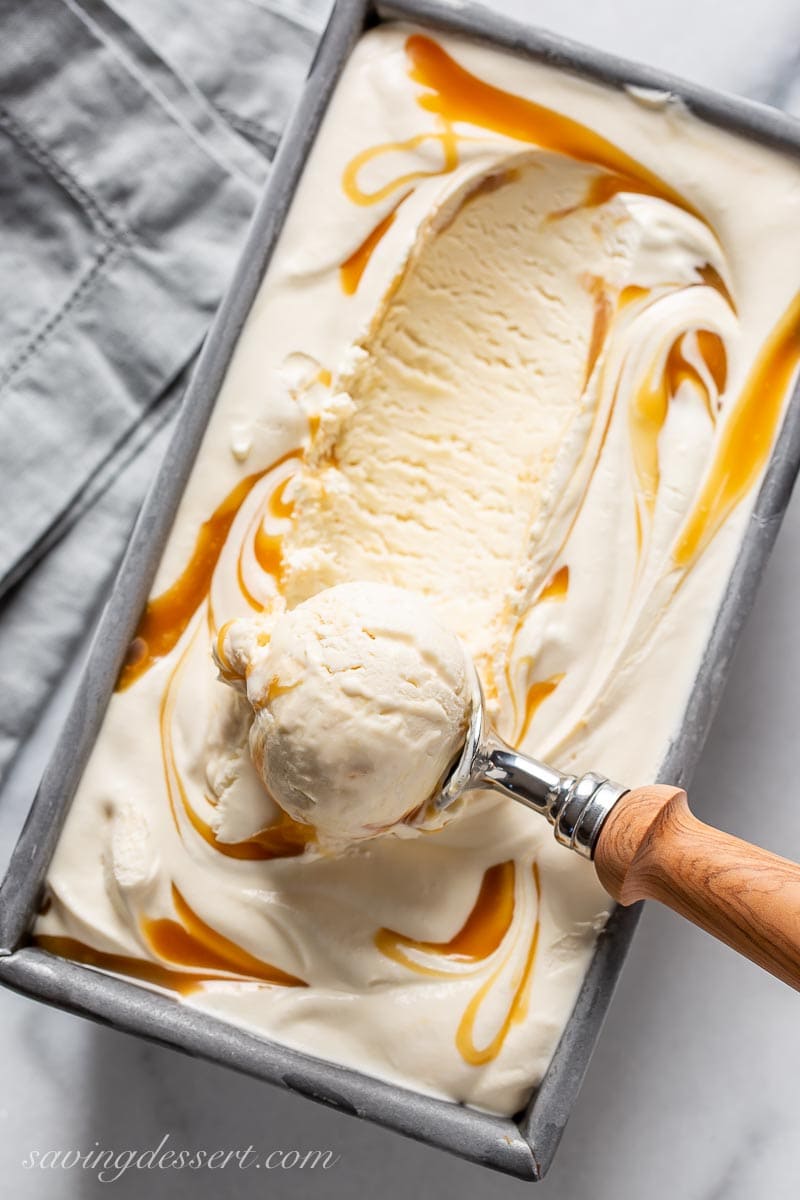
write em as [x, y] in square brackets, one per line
[134, 139]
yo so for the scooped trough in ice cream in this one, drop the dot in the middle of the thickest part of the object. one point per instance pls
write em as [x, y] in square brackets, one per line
[360, 703]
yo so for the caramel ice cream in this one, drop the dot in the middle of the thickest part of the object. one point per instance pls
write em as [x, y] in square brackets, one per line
[524, 348]
[361, 703]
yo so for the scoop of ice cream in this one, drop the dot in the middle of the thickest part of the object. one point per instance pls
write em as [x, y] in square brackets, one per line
[361, 702]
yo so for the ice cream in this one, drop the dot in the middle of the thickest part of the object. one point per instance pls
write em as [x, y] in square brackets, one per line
[528, 359]
[361, 705]
[496, 305]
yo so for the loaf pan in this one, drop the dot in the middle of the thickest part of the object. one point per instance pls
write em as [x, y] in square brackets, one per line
[523, 1146]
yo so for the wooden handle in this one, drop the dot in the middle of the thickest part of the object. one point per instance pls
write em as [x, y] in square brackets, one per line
[652, 848]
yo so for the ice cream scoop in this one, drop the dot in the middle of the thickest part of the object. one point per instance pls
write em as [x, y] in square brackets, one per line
[370, 719]
[361, 699]
[646, 845]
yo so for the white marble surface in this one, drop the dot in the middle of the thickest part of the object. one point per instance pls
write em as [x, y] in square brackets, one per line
[693, 1089]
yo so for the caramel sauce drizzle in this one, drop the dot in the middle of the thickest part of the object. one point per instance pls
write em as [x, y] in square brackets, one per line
[601, 323]
[227, 672]
[746, 437]
[632, 293]
[648, 412]
[184, 982]
[650, 404]
[455, 95]
[536, 695]
[187, 943]
[712, 278]
[268, 547]
[285, 839]
[713, 353]
[517, 1009]
[479, 936]
[252, 600]
[353, 268]
[605, 187]
[708, 276]
[556, 589]
[166, 617]
[190, 942]
[446, 139]
[557, 585]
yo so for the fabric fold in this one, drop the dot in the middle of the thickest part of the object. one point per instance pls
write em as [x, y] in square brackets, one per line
[134, 140]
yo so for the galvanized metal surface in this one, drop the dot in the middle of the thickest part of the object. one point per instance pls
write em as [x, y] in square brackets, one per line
[524, 1146]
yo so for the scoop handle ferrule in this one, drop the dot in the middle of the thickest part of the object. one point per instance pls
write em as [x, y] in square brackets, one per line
[576, 807]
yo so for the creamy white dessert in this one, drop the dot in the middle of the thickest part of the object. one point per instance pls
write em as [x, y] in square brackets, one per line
[361, 703]
[524, 347]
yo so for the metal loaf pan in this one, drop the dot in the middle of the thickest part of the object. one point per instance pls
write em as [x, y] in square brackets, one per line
[523, 1146]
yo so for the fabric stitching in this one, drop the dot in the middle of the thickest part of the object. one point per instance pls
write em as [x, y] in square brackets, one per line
[190, 100]
[101, 222]
[158, 413]
[151, 89]
[250, 129]
[102, 259]
[115, 237]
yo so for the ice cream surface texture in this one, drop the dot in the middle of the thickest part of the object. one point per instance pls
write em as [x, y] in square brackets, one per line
[524, 348]
[361, 705]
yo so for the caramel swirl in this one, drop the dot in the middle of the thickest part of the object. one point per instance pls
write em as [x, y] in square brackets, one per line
[167, 616]
[483, 934]
[747, 436]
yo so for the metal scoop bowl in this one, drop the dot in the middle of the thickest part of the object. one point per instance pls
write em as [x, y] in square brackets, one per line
[575, 806]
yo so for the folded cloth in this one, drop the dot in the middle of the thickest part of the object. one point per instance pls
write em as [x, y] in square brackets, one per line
[134, 139]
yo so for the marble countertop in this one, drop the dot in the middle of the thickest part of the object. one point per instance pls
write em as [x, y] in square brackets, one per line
[692, 1090]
